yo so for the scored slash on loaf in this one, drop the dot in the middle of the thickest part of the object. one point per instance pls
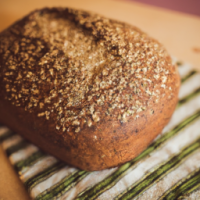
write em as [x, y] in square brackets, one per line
[92, 91]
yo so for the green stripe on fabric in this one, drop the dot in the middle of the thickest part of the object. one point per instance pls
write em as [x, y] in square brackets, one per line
[104, 185]
[6, 135]
[21, 145]
[183, 187]
[32, 159]
[63, 186]
[111, 180]
[191, 190]
[138, 188]
[185, 78]
[31, 182]
[188, 97]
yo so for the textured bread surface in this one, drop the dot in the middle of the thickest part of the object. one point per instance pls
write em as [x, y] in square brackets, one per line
[92, 91]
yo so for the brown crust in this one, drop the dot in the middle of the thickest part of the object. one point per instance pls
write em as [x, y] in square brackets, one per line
[102, 114]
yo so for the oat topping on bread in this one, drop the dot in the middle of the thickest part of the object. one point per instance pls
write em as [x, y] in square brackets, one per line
[77, 69]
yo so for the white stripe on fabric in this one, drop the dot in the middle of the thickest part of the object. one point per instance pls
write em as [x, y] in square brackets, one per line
[13, 140]
[189, 86]
[184, 69]
[3, 130]
[180, 113]
[193, 196]
[55, 178]
[88, 181]
[38, 167]
[23, 153]
[189, 165]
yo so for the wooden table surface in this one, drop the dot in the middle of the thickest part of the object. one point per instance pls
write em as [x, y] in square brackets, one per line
[180, 33]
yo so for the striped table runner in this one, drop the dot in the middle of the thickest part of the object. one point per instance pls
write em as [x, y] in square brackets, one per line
[168, 169]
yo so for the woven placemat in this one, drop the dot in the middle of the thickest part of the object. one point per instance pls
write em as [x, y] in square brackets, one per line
[168, 169]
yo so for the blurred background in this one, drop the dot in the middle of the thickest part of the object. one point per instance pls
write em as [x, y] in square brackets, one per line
[185, 6]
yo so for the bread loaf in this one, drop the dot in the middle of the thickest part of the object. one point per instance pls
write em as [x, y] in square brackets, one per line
[92, 91]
